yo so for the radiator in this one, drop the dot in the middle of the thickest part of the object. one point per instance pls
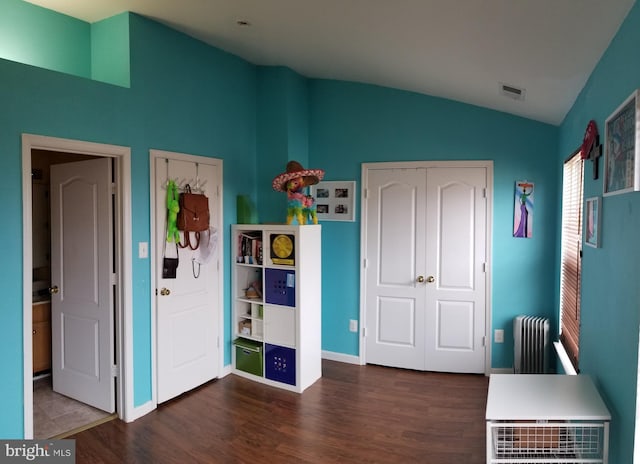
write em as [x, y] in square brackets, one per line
[531, 345]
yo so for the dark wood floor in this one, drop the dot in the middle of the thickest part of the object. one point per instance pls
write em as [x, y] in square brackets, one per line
[354, 414]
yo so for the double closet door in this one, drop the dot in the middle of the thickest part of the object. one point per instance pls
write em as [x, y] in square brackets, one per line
[425, 244]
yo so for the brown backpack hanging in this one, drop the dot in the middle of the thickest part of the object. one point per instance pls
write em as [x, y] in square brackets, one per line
[193, 216]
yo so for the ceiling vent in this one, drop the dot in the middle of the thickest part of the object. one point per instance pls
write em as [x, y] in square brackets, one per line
[511, 91]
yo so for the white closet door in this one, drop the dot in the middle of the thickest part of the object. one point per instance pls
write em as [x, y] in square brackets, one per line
[424, 277]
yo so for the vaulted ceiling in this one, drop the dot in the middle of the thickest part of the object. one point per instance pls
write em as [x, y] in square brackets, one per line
[464, 50]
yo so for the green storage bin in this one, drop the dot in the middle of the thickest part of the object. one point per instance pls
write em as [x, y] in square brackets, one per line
[249, 356]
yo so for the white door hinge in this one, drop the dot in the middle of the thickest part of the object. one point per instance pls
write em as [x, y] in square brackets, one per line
[364, 332]
[114, 371]
[114, 279]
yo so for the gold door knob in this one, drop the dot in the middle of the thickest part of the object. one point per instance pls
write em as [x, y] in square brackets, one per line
[431, 279]
[165, 291]
[53, 290]
[420, 279]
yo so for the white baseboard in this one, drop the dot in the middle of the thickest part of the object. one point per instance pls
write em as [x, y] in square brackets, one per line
[341, 357]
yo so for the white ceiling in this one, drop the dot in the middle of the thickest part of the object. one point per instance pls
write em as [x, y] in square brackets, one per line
[456, 49]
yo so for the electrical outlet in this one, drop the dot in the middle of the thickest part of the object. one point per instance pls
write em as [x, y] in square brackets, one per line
[498, 336]
[353, 325]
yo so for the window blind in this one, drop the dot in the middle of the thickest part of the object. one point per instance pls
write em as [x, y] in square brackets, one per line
[572, 181]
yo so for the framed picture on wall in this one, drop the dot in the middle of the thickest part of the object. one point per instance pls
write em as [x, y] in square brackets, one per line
[622, 144]
[335, 200]
[593, 222]
[523, 209]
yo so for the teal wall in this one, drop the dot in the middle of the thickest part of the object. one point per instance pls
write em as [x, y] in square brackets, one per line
[36, 36]
[39, 37]
[354, 123]
[189, 98]
[110, 50]
[282, 134]
[610, 284]
[184, 97]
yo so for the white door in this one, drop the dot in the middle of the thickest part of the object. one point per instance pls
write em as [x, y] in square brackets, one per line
[456, 256]
[395, 301]
[187, 306]
[82, 302]
[424, 275]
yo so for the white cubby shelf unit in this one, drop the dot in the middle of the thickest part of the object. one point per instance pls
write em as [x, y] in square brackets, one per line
[277, 303]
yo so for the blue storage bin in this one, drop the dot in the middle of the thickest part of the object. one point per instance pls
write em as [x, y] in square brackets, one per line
[280, 363]
[280, 287]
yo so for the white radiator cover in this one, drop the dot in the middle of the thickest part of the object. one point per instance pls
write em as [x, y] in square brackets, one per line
[531, 348]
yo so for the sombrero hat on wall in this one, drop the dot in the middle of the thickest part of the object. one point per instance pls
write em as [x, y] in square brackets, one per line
[295, 170]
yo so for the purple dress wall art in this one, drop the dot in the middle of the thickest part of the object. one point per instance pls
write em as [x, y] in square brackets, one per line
[523, 210]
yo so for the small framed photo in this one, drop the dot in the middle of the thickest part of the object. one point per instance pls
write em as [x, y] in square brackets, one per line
[622, 144]
[593, 222]
[335, 200]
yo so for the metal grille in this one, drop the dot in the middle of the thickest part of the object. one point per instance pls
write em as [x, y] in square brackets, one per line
[550, 442]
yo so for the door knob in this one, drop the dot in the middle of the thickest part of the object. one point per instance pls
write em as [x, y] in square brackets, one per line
[431, 279]
[53, 290]
[420, 279]
[165, 291]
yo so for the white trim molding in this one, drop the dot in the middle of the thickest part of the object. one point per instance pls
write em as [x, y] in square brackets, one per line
[564, 359]
[124, 318]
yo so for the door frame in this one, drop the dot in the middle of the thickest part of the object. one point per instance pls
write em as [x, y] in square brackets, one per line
[366, 167]
[218, 223]
[124, 304]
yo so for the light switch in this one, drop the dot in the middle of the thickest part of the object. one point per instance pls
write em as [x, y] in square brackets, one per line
[143, 250]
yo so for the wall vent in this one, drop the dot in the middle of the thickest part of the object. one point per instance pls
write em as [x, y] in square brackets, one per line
[511, 91]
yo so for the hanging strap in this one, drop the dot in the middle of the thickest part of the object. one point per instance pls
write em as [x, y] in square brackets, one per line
[187, 241]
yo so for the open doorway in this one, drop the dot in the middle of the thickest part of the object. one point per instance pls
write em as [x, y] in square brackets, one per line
[40, 154]
[54, 414]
